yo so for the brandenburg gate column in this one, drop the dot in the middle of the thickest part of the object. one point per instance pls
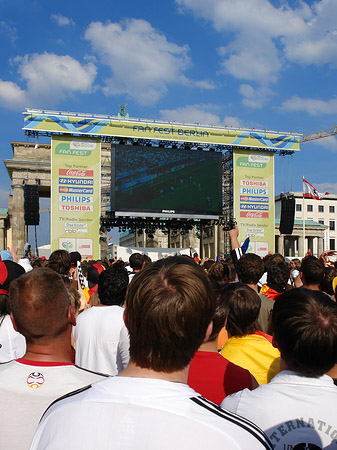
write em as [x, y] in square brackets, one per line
[17, 217]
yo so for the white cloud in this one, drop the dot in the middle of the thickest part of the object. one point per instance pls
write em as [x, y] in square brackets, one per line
[142, 61]
[311, 106]
[48, 77]
[9, 31]
[11, 95]
[199, 114]
[62, 21]
[61, 74]
[191, 114]
[266, 38]
[317, 43]
[255, 97]
[201, 84]
[234, 122]
[327, 187]
[329, 143]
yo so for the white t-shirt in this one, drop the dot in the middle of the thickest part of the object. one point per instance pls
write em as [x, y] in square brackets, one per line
[292, 410]
[102, 340]
[12, 343]
[143, 413]
[26, 389]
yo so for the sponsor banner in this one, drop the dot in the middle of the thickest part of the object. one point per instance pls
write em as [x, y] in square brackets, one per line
[255, 230]
[82, 208]
[113, 126]
[75, 195]
[76, 181]
[254, 208]
[76, 173]
[76, 225]
[254, 215]
[249, 198]
[75, 190]
[75, 230]
[253, 191]
[76, 198]
[254, 183]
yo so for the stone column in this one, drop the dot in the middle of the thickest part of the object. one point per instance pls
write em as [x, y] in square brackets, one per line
[281, 244]
[320, 246]
[18, 220]
[3, 234]
[300, 246]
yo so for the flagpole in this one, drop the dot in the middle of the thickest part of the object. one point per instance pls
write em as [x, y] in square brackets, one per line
[303, 218]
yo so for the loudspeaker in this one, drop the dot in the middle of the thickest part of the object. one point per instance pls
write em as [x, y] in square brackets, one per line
[31, 204]
[287, 215]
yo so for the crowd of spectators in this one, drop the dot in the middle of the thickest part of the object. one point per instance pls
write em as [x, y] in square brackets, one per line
[178, 352]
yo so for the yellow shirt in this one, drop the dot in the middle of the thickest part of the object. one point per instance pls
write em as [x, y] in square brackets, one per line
[254, 353]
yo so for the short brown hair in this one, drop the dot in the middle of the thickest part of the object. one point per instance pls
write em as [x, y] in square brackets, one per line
[243, 305]
[312, 270]
[249, 268]
[168, 310]
[40, 303]
[305, 328]
[60, 261]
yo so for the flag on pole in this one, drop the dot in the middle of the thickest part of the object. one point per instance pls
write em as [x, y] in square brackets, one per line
[310, 192]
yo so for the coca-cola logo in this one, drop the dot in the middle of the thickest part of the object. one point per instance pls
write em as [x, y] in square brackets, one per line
[254, 215]
[80, 173]
[75, 173]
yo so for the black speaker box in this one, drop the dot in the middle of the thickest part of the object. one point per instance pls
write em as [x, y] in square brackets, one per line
[287, 215]
[31, 204]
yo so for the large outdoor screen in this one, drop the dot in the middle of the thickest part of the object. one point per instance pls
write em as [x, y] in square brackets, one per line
[165, 182]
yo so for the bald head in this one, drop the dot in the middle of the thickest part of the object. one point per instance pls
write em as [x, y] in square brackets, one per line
[40, 305]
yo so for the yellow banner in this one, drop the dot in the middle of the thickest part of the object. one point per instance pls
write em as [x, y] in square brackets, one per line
[75, 195]
[254, 208]
[97, 126]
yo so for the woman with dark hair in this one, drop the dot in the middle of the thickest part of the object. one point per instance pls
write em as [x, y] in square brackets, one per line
[12, 343]
[247, 347]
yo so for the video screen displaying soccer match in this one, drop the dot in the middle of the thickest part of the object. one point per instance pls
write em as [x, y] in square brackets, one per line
[166, 181]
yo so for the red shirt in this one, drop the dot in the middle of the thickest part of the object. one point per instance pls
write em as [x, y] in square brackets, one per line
[214, 377]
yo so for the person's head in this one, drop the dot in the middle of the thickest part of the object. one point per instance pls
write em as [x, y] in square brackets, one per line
[60, 262]
[112, 285]
[330, 272]
[147, 261]
[136, 261]
[9, 270]
[312, 270]
[93, 274]
[295, 264]
[305, 331]
[219, 319]
[75, 257]
[168, 311]
[40, 305]
[249, 268]
[75, 299]
[278, 274]
[208, 264]
[219, 274]
[231, 267]
[243, 305]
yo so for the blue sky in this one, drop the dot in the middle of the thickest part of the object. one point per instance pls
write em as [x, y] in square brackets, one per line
[249, 63]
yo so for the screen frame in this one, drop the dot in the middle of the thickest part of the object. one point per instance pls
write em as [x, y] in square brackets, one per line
[167, 213]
